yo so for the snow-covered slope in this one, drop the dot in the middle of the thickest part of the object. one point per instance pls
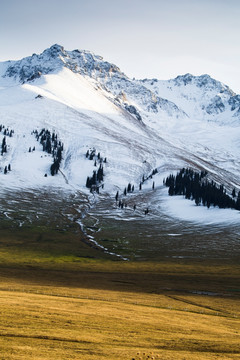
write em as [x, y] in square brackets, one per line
[200, 97]
[137, 126]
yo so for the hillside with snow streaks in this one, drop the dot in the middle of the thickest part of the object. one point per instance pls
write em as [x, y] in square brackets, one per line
[137, 125]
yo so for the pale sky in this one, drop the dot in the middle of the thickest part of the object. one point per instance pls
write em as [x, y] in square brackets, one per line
[145, 38]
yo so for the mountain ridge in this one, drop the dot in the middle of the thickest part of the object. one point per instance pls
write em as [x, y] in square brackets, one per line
[88, 64]
[147, 96]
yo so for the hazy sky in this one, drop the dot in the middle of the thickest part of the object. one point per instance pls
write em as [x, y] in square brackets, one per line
[145, 38]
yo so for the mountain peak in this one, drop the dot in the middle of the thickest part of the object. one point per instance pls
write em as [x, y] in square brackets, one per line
[57, 47]
[185, 79]
[56, 57]
[202, 81]
[54, 50]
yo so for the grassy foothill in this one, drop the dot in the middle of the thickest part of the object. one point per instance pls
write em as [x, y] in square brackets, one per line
[61, 299]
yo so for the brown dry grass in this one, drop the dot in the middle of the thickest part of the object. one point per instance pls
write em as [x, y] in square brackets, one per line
[61, 300]
[89, 314]
[54, 327]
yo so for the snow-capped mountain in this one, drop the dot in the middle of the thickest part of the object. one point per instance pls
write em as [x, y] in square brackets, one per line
[94, 67]
[100, 120]
[200, 97]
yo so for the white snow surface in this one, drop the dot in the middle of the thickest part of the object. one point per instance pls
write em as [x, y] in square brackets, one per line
[180, 208]
[86, 100]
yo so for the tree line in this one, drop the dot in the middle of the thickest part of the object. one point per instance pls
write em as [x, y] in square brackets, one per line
[6, 131]
[94, 182]
[195, 186]
[51, 145]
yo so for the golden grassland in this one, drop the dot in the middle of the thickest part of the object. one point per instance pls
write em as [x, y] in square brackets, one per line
[61, 299]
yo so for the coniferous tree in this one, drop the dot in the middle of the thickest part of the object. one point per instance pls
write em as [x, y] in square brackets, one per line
[88, 184]
[3, 141]
[238, 201]
[94, 178]
[100, 173]
[197, 201]
[48, 145]
[92, 155]
[54, 167]
[4, 145]
[196, 187]
[59, 155]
